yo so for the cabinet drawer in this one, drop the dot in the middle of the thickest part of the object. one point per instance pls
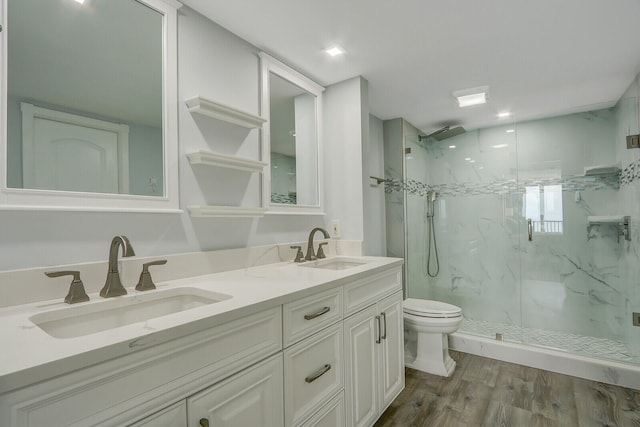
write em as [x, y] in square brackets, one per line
[313, 373]
[308, 315]
[330, 415]
[364, 292]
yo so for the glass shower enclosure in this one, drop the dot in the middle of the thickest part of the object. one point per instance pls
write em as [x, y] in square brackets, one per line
[532, 229]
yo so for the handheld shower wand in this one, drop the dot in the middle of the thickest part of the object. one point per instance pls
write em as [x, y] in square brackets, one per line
[431, 236]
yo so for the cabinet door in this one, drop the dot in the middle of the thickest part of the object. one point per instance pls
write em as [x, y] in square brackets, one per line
[252, 397]
[172, 416]
[361, 332]
[391, 370]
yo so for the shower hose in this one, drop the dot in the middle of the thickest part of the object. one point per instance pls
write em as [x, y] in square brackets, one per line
[431, 238]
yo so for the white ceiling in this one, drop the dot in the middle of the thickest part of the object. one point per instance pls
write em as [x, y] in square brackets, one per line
[539, 58]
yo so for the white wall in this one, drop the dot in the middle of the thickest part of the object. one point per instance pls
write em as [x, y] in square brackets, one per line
[345, 104]
[214, 63]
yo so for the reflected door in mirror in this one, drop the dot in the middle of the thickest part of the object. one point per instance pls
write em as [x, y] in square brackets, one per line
[101, 61]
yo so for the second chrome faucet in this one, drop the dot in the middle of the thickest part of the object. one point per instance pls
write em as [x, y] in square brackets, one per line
[113, 286]
[310, 252]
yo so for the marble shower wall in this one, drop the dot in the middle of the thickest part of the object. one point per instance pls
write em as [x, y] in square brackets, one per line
[579, 279]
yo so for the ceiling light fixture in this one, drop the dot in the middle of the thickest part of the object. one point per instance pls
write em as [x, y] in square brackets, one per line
[511, 130]
[452, 146]
[335, 51]
[504, 114]
[80, 1]
[473, 96]
[500, 146]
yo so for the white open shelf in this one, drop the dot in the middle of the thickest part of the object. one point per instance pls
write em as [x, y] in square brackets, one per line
[208, 211]
[209, 158]
[223, 112]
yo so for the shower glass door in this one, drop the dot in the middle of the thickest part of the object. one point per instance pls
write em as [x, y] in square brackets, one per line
[469, 257]
[578, 268]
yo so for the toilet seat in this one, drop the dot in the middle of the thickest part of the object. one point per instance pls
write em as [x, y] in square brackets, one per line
[428, 308]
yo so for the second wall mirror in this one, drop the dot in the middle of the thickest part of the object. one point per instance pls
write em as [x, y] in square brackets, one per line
[291, 139]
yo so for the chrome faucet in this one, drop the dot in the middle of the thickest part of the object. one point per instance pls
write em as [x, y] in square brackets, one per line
[310, 253]
[113, 286]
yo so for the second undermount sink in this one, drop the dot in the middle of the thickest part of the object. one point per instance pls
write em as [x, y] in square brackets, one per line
[76, 321]
[337, 263]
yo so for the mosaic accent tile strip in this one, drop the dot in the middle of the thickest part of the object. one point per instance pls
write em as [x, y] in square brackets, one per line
[631, 173]
[569, 183]
[289, 199]
[579, 344]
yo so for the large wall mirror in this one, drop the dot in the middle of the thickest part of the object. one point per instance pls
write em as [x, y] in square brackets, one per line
[89, 95]
[291, 139]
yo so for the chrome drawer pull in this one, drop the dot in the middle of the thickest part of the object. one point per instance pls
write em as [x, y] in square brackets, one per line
[318, 374]
[384, 317]
[317, 314]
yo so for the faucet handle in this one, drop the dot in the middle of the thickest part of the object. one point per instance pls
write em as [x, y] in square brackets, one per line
[76, 290]
[145, 283]
[320, 253]
[299, 254]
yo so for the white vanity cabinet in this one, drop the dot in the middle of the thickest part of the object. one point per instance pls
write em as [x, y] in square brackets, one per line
[374, 351]
[128, 388]
[333, 357]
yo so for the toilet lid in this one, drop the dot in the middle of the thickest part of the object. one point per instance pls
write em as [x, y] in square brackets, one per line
[428, 308]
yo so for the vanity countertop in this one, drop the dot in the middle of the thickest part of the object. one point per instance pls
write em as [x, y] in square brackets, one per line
[30, 355]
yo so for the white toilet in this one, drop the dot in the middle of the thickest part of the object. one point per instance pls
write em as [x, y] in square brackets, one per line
[427, 325]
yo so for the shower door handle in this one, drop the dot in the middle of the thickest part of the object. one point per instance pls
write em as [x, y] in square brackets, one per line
[530, 229]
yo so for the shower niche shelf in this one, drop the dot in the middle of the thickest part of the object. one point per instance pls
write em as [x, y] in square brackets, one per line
[622, 222]
[602, 170]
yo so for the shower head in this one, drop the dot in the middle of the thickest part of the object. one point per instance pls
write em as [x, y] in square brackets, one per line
[443, 133]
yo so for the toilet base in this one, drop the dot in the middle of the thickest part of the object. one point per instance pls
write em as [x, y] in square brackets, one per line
[432, 355]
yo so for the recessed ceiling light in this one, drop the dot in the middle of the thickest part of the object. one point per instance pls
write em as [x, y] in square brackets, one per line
[335, 51]
[473, 96]
[504, 114]
[452, 146]
[511, 130]
[472, 161]
[467, 158]
[500, 146]
[80, 1]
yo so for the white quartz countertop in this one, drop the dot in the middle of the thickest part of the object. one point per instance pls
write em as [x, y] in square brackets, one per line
[30, 355]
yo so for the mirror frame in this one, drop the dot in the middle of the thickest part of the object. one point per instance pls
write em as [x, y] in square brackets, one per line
[34, 199]
[268, 64]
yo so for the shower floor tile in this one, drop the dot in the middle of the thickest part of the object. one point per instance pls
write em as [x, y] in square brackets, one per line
[579, 344]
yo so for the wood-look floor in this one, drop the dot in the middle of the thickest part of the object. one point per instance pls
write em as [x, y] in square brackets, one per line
[487, 392]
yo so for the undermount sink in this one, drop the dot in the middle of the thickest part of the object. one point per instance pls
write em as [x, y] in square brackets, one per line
[76, 321]
[335, 263]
